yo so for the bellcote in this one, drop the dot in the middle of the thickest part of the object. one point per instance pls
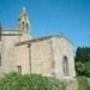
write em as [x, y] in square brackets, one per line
[23, 22]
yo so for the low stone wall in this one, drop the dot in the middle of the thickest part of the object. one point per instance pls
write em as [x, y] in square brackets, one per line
[71, 84]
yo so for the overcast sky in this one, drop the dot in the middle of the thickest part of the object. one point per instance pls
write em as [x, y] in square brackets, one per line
[51, 17]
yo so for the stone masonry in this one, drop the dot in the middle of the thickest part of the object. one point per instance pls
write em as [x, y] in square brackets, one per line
[50, 55]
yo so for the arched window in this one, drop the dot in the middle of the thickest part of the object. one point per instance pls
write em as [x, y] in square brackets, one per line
[65, 66]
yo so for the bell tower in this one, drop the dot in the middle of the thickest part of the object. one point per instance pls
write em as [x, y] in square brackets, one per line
[24, 25]
[23, 21]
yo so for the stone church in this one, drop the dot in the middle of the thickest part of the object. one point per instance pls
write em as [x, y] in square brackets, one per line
[49, 55]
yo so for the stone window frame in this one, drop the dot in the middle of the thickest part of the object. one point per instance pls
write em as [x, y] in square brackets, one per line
[65, 66]
[19, 67]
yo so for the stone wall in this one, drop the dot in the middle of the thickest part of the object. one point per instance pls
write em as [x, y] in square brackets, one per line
[22, 58]
[62, 47]
[8, 50]
[41, 57]
[71, 84]
[46, 57]
[8, 40]
[36, 57]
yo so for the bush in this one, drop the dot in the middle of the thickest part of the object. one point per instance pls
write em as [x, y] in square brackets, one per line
[83, 83]
[14, 81]
[83, 69]
[82, 61]
[87, 69]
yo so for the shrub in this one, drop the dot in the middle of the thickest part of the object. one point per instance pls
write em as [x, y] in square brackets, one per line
[14, 81]
[83, 83]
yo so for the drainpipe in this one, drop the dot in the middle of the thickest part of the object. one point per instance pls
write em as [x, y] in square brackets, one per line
[29, 51]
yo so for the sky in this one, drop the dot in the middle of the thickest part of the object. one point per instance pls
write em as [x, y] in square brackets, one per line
[51, 17]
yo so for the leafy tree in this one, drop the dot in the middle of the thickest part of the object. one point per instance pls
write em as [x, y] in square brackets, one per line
[83, 61]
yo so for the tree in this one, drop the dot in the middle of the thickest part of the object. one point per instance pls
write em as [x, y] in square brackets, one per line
[82, 60]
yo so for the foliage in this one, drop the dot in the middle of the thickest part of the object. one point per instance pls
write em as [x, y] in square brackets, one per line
[83, 61]
[83, 83]
[14, 81]
[83, 54]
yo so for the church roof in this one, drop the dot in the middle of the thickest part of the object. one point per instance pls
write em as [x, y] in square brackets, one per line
[41, 39]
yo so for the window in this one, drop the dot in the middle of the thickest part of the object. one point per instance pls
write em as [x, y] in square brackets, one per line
[65, 66]
[19, 69]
